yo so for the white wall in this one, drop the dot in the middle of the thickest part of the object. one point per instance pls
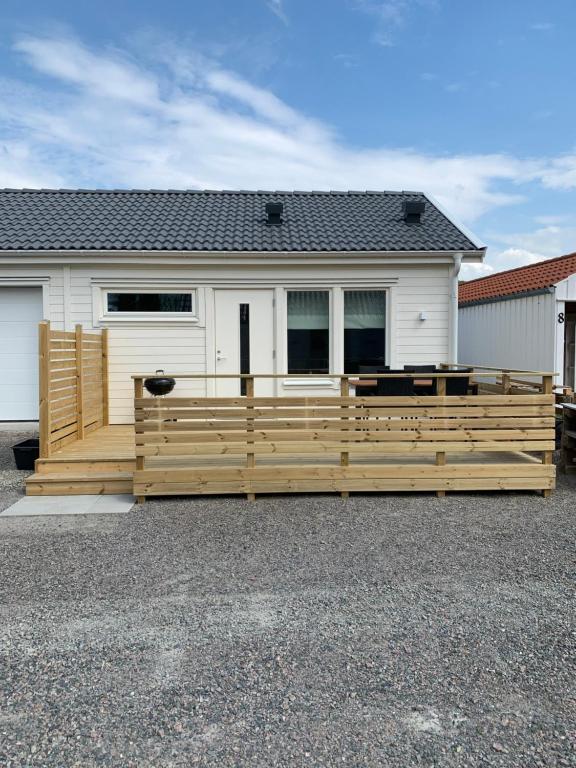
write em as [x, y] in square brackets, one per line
[50, 278]
[518, 333]
[137, 348]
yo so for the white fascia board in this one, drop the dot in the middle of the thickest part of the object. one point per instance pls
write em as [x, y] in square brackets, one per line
[462, 227]
[223, 257]
[565, 290]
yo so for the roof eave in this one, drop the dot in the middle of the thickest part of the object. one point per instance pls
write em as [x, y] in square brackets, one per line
[474, 239]
[507, 297]
[467, 255]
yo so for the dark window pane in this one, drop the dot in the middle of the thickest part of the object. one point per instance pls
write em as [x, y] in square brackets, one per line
[308, 351]
[364, 329]
[308, 332]
[244, 344]
[149, 302]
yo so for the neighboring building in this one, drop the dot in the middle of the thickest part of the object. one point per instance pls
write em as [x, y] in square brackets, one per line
[227, 282]
[522, 318]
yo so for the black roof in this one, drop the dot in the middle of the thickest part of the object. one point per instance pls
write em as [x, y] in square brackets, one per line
[205, 220]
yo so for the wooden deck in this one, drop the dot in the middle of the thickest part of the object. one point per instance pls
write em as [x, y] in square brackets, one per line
[498, 439]
[104, 462]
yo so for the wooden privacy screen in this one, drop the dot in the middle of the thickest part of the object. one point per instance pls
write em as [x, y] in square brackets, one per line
[73, 385]
[302, 444]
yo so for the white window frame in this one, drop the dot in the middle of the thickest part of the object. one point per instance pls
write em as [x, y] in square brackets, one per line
[388, 294]
[336, 299]
[320, 382]
[105, 317]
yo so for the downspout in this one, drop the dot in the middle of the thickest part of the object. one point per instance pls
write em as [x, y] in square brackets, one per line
[453, 346]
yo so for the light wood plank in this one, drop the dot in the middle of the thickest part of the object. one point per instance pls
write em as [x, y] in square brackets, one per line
[306, 486]
[336, 447]
[372, 402]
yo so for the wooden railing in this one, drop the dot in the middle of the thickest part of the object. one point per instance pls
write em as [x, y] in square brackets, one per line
[73, 385]
[253, 445]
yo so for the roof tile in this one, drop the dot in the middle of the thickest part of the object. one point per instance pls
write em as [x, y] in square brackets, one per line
[192, 220]
[533, 277]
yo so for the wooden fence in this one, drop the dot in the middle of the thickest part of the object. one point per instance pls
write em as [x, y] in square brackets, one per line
[219, 445]
[73, 385]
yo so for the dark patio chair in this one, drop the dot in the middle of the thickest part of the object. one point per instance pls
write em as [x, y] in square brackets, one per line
[420, 368]
[460, 385]
[428, 389]
[373, 368]
[399, 386]
[368, 391]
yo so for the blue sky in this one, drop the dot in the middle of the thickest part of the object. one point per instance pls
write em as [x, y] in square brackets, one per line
[469, 101]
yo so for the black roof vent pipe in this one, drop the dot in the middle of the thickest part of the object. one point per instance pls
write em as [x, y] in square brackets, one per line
[274, 213]
[412, 211]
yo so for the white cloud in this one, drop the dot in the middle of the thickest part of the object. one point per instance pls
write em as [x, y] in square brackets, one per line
[560, 173]
[523, 248]
[18, 168]
[542, 243]
[454, 87]
[178, 119]
[390, 16]
[542, 26]
[277, 8]
[473, 271]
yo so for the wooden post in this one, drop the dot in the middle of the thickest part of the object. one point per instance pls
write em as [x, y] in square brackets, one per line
[44, 387]
[441, 455]
[250, 457]
[105, 385]
[506, 385]
[547, 456]
[344, 456]
[79, 385]
[138, 393]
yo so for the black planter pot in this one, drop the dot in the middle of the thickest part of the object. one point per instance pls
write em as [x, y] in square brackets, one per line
[26, 453]
[159, 385]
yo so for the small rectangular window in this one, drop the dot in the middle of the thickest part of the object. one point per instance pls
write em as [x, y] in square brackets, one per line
[308, 332]
[364, 329]
[149, 302]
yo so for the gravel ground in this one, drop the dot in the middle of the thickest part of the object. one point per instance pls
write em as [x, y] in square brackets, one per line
[389, 631]
[12, 479]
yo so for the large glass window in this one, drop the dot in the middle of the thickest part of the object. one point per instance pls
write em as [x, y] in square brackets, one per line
[308, 332]
[149, 302]
[364, 329]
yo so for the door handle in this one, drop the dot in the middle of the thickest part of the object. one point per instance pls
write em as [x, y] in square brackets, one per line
[220, 357]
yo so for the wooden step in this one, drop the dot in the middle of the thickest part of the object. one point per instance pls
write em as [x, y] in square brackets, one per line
[82, 466]
[89, 483]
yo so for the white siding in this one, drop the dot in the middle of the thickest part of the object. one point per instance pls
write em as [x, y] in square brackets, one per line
[518, 333]
[138, 350]
[182, 348]
[422, 341]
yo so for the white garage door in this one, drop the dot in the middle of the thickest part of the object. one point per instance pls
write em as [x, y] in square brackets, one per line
[20, 313]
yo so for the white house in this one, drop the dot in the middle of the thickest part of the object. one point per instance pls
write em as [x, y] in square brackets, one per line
[523, 318]
[229, 281]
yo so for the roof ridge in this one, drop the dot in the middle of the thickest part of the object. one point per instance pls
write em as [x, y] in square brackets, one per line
[79, 190]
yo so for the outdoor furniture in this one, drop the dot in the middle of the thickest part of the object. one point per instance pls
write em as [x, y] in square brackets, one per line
[368, 386]
[428, 386]
[458, 385]
[396, 386]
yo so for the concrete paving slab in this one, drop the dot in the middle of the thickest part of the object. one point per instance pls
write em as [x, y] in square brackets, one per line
[70, 505]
